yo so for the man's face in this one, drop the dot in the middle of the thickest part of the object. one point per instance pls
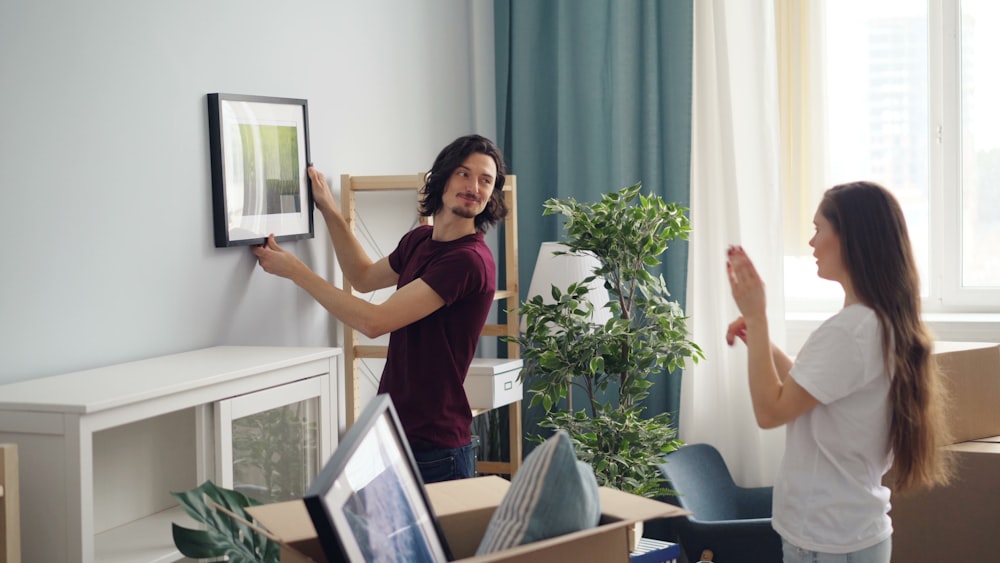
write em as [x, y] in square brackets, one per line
[470, 186]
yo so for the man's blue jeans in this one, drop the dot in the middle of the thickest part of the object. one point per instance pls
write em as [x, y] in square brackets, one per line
[446, 464]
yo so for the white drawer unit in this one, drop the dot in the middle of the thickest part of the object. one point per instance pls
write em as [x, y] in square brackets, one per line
[102, 449]
[492, 383]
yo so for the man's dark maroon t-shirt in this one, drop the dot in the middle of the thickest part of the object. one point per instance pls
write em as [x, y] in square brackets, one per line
[428, 360]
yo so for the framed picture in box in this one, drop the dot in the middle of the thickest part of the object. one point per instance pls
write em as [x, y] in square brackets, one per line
[259, 151]
[369, 503]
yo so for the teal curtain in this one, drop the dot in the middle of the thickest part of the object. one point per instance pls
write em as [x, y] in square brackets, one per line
[592, 96]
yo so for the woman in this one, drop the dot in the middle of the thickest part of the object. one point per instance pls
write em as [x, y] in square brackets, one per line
[861, 396]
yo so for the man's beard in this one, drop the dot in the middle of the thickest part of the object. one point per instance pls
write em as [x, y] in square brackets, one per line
[464, 212]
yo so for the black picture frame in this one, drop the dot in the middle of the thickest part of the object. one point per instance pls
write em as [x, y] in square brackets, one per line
[259, 152]
[369, 502]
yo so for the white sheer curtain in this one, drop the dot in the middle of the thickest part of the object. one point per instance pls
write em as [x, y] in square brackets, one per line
[735, 199]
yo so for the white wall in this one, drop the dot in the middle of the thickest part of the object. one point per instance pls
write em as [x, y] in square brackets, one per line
[105, 190]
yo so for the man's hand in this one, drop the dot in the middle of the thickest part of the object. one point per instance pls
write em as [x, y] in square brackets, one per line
[321, 192]
[276, 260]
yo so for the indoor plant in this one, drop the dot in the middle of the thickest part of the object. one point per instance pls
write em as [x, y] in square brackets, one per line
[614, 364]
[222, 537]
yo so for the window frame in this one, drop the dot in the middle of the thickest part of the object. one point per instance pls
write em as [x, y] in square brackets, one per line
[945, 121]
[945, 293]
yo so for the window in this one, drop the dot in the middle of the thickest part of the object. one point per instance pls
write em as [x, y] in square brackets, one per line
[911, 102]
[971, 159]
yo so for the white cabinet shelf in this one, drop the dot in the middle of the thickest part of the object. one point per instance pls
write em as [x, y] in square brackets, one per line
[143, 539]
[101, 449]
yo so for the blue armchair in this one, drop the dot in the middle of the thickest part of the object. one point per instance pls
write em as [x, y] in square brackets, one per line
[734, 522]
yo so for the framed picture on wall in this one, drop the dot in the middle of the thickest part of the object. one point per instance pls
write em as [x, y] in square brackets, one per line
[369, 503]
[259, 151]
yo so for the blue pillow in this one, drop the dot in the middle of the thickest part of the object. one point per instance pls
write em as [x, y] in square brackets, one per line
[552, 494]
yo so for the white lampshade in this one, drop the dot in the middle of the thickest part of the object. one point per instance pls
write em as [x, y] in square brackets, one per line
[563, 270]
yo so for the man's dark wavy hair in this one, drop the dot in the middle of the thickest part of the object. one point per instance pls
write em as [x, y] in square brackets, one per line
[450, 158]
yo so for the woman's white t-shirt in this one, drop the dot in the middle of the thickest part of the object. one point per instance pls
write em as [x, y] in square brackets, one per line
[829, 495]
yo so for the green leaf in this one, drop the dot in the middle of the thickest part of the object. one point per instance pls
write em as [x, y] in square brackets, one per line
[197, 544]
[223, 535]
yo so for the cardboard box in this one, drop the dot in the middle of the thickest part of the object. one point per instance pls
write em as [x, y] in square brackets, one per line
[464, 509]
[972, 372]
[492, 382]
[954, 523]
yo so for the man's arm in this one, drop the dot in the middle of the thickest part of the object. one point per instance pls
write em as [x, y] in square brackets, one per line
[359, 270]
[407, 305]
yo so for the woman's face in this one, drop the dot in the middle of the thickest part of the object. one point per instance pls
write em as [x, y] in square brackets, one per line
[826, 250]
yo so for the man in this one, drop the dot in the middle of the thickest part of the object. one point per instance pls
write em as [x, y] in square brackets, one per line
[445, 277]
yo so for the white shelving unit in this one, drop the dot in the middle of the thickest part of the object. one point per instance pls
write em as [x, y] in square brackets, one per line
[100, 450]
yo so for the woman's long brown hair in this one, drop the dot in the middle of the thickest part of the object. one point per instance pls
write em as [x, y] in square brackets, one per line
[876, 250]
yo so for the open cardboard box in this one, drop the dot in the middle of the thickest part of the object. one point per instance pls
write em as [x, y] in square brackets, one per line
[972, 373]
[464, 509]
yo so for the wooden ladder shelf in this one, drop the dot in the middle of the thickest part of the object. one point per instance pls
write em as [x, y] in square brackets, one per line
[508, 295]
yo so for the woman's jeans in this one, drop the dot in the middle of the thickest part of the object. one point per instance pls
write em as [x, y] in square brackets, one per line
[878, 553]
[446, 464]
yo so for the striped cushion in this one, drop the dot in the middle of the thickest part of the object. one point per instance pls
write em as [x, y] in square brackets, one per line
[552, 494]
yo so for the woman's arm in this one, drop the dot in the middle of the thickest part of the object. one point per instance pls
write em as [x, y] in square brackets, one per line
[776, 398]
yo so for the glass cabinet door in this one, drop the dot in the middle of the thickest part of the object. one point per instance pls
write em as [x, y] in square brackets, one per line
[272, 443]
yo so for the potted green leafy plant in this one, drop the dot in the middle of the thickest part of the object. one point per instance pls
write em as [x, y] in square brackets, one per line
[615, 363]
